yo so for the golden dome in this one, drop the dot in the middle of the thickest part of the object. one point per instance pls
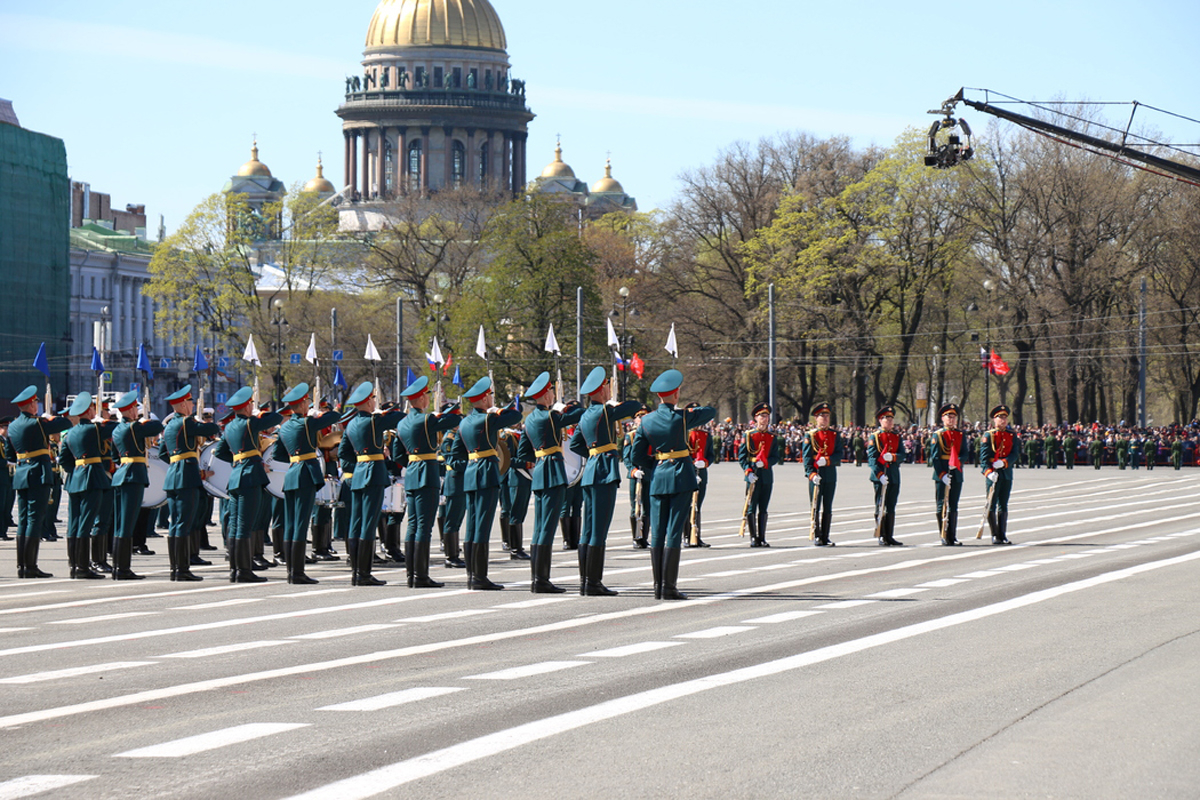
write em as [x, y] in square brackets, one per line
[254, 167]
[558, 168]
[319, 184]
[607, 184]
[434, 23]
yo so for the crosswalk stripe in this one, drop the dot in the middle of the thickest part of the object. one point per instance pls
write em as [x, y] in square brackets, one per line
[890, 593]
[237, 601]
[36, 784]
[466, 612]
[516, 673]
[211, 741]
[629, 650]
[105, 618]
[840, 604]
[223, 649]
[393, 699]
[715, 633]
[335, 633]
[38, 677]
[784, 616]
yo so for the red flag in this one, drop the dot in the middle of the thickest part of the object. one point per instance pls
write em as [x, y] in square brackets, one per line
[449, 362]
[637, 366]
[997, 365]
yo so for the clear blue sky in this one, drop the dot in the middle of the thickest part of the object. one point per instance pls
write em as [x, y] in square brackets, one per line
[157, 101]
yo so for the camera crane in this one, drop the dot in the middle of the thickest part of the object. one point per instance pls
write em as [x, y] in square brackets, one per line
[954, 150]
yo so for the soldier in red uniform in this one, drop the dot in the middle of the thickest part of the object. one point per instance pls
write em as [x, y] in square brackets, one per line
[760, 451]
[945, 456]
[995, 459]
[700, 444]
[883, 459]
[822, 452]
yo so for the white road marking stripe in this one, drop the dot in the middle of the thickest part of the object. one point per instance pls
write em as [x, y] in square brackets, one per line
[105, 618]
[95, 600]
[237, 601]
[980, 574]
[942, 584]
[629, 650]
[23, 595]
[14, 630]
[38, 677]
[1075, 555]
[1016, 567]
[211, 741]
[542, 601]
[393, 699]
[1042, 561]
[333, 634]
[394, 775]
[466, 612]
[313, 593]
[786, 616]
[36, 784]
[223, 649]
[772, 566]
[714, 633]
[1120, 546]
[727, 573]
[898, 592]
[839, 604]
[529, 670]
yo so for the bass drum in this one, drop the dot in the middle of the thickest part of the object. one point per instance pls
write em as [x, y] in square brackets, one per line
[395, 500]
[216, 484]
[155, 495]
[573, 463]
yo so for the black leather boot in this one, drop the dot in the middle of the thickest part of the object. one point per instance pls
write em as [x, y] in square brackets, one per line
[83, 566]
[453, 559]
[541, 571]
[1001, 527]
[564, 525]
[123, 568]
[410, 562]
[762, 529]
[752, 528]
[468, 551]
[32, 543]
[421, 579]
[656, 565]
[479, 579]
[295, 565]
[99, 555]
[670, 572]
[516, 542]
[20, 555]
[352, 560]
[245, 564]
[365, 558]
[697, 540]
[595, 573]
[504, 533]
[582, 552]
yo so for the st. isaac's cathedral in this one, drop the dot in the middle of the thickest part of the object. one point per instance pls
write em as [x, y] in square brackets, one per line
[435, 107]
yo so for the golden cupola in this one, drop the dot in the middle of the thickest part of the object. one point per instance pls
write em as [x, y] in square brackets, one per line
[608, 184]
[558, 168]
[436, 23]
[319, 184]
[254, 167]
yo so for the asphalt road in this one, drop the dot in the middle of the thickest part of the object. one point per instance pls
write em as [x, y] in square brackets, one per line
[1061, 667]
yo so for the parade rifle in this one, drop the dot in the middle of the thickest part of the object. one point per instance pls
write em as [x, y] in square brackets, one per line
[987, 506]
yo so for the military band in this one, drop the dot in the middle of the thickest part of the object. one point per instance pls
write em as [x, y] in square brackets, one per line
[299, 436]
[365, 433]
[454, 498]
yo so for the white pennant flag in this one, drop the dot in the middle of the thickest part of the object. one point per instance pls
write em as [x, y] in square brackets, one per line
[552, 343]
[251, 353]
[671, 346]
[436, 355]
[481, 345]
[613, 341]
[311, 355]
[372, 354]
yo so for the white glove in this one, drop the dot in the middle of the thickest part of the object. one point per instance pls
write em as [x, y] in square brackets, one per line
[883, 479]
[998, 464]
[700, 463]
[403, 472]
[822, 461]
[751, 478]
[816, 480]
[946, 479]
[888, 457]
[759, 465]
[637, 474]
[612, 401]
[442, 500]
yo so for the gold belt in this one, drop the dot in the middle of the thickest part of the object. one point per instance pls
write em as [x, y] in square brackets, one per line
[347, 476]
[245, 455]
[423, 457]
[604, 448]
[33, 454]
[133, 460]
[549, 451]
[372, 457]
[84, 462]
[671, 456]
[305, 457]
[183, 456]
[481, 454]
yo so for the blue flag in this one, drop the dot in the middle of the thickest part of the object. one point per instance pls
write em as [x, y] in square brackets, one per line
[411, 377]
[457, 380]
[40, 363]
[199, 362]
[339, 379]
[97, 364]
[143, 362]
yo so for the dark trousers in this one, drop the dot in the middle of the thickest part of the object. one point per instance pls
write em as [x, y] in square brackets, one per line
[481, 511]
[422, 513]
[547, 508]
[599, 501]
[668, 517]
[182, 505]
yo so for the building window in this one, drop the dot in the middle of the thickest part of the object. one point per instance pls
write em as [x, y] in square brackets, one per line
[437, 77]
[92, 293]
[402, 78]
[456, 79]
[458, 165]
[483, 166]
[388, 168]
[414, 166]
[419, 83]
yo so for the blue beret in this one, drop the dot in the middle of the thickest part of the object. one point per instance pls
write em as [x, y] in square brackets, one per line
[416, 387]
[668, 382]
[298, 393]
[181, 395]
[128, 399]
[361, 393]
[595, 380]
[479, 389]
[83, 401]
[540, 384]
[241, 397]
[25, 396]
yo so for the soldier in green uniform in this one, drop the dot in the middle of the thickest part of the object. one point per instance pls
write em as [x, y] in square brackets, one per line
[8, 457]
[593, 439]
[130, 481]
[1033, 452]
[239, 445]
[33, 477]
[454, 498]
[516, 489]
[760, 451]
[478, 436]
[346, 464]
[543, 442]
[419, 432]
[83, 448]
[183, 482]
[639, 487]
[365, 433]
[1096, 450]
[822, 452]
[883, 459]
[944, 454]
[700, 442]
[1176, 452]
[661, 443]
[1070, 450]
[860, 448]
[1050, 448]
[298, 436]
[995, 460]
[1122, 451]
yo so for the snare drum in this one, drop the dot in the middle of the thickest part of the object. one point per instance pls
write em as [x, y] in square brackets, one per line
[216, 484]
[329, 493]
[155, 495]
[276, 473]
[395, 500]
[573, 463]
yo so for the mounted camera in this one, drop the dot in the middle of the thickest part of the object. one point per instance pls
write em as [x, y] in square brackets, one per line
[953, 151]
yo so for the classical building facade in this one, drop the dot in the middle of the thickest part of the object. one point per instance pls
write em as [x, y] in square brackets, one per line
[605, 196]
[436, 106]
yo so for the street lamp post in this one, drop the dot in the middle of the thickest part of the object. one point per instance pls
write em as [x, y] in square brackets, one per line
[437, 318]
[280, 322]
[988, 286]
